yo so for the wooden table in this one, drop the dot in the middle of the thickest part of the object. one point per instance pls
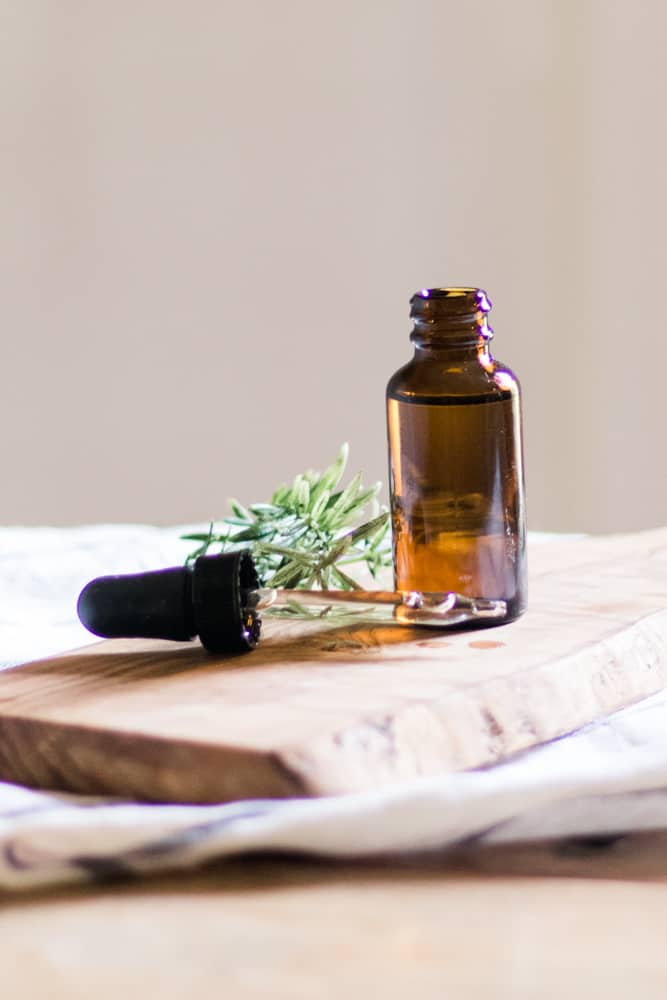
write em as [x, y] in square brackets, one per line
[576, 920]
[567, 920]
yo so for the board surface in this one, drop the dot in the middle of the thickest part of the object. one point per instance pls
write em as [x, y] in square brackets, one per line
[321, 709]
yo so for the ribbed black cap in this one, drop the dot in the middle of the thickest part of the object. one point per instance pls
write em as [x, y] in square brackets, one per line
[208, 600]
[223, 621]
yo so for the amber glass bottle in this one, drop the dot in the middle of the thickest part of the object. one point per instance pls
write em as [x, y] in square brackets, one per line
[455, 456]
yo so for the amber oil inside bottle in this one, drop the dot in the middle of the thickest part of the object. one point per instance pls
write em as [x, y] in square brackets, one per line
[455, 454]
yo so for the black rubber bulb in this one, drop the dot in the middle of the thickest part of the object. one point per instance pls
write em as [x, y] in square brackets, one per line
[207, 599]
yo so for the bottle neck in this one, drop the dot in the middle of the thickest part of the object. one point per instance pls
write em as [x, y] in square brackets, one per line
[450, 320]
[475, 351]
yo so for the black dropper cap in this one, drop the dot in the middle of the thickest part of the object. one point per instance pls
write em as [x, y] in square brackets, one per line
[208, 599]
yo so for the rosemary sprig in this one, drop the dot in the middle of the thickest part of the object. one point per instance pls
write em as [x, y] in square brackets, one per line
[308, 532]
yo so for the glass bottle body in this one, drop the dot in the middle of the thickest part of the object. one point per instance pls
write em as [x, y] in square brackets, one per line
[456, 463]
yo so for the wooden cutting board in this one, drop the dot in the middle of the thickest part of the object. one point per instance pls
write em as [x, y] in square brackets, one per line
[319, 709]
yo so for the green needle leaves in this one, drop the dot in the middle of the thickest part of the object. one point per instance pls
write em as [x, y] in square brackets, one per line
[308, 533]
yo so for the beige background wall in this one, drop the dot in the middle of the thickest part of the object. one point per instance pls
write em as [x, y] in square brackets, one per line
[214, 213]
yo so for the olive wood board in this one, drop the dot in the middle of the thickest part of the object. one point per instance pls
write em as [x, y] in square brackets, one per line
[320, 709]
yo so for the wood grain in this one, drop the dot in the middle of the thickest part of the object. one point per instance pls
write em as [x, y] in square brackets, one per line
[317, 709]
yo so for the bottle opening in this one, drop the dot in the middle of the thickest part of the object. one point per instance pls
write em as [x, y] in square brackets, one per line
[455, 301]
[447, 293]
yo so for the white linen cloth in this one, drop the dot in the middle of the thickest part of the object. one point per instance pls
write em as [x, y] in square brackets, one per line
[609, 778]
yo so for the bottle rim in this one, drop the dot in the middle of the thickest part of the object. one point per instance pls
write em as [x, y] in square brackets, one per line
[455, 299]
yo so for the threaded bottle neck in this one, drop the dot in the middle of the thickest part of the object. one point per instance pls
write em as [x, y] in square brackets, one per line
[450, 317]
